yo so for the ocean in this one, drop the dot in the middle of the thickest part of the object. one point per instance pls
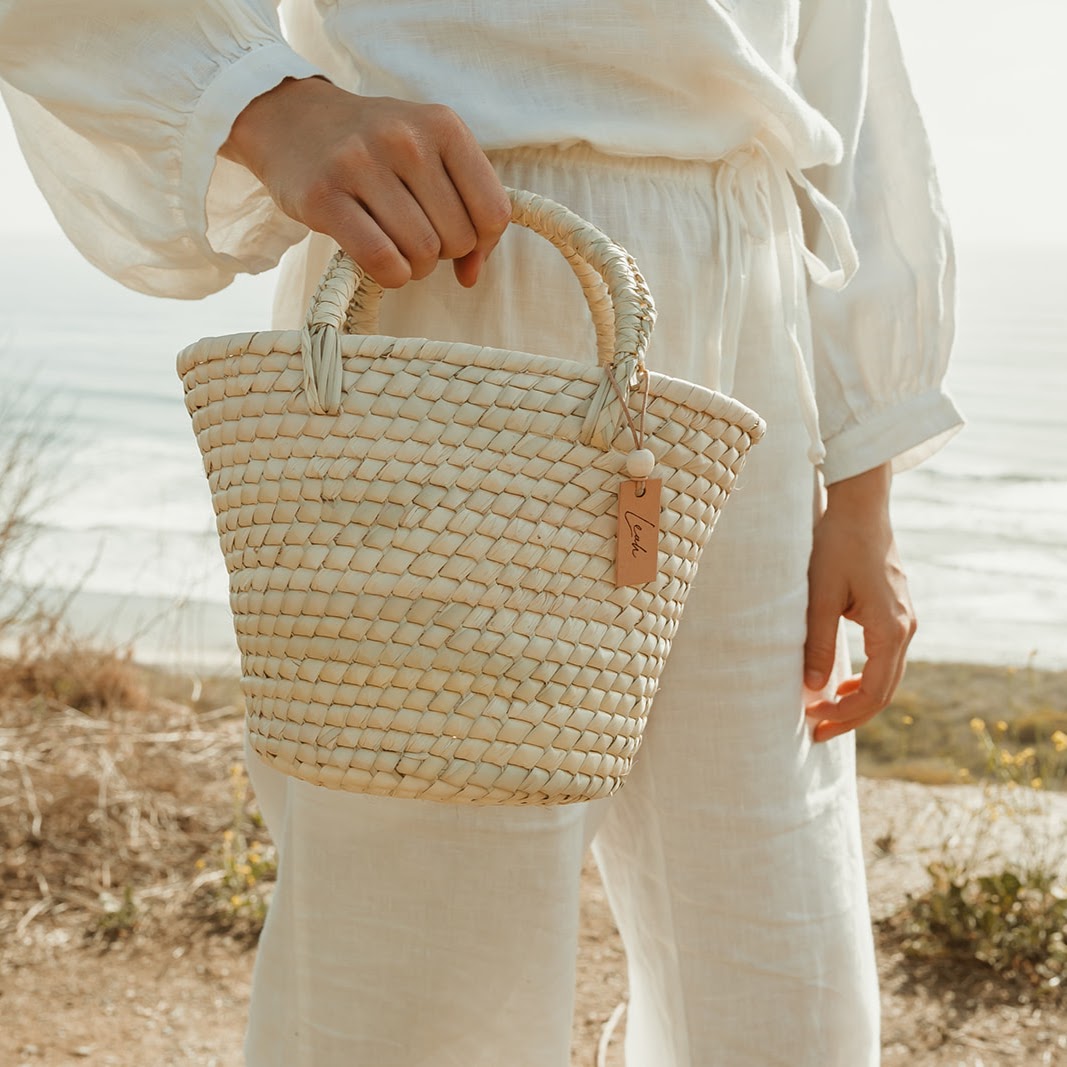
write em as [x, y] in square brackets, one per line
[89, 368]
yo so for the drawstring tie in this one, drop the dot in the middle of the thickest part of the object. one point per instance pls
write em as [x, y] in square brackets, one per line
[755, 201]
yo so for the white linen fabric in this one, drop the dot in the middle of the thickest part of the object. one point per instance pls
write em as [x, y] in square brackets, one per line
[414, 934]
[121, 105]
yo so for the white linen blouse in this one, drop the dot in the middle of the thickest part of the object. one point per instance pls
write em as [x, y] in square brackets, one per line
[120, 107]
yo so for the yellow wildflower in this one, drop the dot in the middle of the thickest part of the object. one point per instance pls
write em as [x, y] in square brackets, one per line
[1024, 757]
[907, 720]
[977, 725]
[1002, 726]
[201, 863]
[227, 836]
[1036, 783]
[1059, 741]
[236, 901]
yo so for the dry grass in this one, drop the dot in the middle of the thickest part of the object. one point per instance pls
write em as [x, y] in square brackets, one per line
[108, 799]
[73, 675]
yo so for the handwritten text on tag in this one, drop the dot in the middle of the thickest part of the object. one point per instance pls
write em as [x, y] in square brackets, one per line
[638, 536]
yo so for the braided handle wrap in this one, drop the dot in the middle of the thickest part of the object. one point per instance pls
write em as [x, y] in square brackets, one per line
[347, 300]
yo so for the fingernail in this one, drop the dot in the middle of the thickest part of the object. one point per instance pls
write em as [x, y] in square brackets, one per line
[479, 264]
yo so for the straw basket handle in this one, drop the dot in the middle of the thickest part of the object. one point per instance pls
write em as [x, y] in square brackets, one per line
[347, 300]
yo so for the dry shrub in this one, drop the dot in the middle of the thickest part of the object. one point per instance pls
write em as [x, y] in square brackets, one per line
[106, 815]
[41, 660]
[72, 674]
[24, 490]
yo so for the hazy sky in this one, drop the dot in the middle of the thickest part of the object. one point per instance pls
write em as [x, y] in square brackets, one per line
[990, 79]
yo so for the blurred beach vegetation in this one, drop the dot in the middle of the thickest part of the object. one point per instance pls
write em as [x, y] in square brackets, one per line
[988, 906]
[925, 735]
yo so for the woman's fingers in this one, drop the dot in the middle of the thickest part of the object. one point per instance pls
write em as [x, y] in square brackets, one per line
[855, 706]
[862, 696]
[401, 218]
[360, 235]
[484, 199]
[446, 185]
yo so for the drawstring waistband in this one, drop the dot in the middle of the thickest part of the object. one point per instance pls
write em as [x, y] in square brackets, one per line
[756, 199]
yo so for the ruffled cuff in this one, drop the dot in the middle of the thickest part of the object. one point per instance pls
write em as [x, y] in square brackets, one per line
[907, 433]
[240, 227]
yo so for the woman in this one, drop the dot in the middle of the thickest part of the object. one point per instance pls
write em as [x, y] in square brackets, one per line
[734, 148]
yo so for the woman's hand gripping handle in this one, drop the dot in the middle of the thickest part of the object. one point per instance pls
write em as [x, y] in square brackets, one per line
[398, 185]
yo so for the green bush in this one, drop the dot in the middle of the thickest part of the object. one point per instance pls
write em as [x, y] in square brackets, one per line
[1013, 922]
[985, 909]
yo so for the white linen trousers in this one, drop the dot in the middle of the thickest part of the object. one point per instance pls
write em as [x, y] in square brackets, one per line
[408, 933]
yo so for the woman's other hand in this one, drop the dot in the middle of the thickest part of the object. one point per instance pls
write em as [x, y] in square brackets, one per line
[855, 573]
[398, 185]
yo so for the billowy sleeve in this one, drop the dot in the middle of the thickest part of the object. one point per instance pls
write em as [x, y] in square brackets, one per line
[120, 107]
[881, 344]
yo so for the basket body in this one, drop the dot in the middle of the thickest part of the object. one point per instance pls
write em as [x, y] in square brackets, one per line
[422, 585]
[421, 538]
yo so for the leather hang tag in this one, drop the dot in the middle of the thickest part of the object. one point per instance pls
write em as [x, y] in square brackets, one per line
[637, 552]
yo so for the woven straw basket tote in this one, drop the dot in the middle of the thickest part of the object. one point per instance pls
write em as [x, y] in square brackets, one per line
[422, 537]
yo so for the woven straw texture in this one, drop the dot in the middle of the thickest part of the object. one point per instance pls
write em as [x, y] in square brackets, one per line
[421, 539]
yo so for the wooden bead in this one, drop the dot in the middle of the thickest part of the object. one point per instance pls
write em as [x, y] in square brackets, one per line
[640, 463]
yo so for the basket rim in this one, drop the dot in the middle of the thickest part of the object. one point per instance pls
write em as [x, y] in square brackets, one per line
[692, 396]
